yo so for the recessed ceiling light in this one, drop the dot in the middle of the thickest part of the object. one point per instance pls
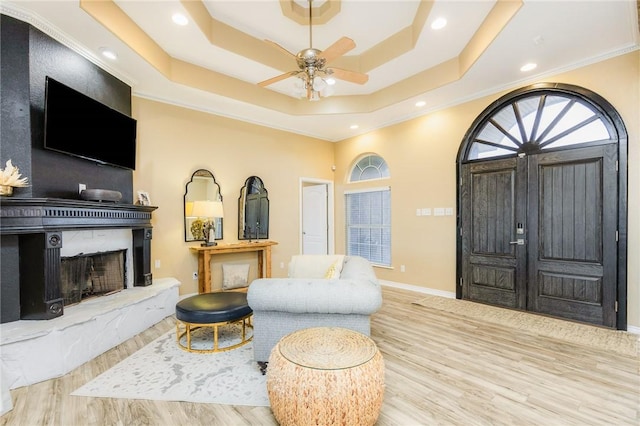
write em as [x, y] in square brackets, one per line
[420, 104]
[439, 24]
[330, 81]
[179, 19]
[528, 67]
[354, 126]
[107, 53]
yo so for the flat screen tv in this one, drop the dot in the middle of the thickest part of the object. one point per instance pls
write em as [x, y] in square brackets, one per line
[78, 125]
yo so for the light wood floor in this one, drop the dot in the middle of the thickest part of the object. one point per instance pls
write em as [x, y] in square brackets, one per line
[440, 369]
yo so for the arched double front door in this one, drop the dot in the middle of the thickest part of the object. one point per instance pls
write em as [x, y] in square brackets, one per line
[542, 206]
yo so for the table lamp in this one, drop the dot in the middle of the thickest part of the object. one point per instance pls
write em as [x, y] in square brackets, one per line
[208, 211]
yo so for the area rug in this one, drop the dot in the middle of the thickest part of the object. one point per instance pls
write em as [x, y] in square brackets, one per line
[620, 342]
[163, 371]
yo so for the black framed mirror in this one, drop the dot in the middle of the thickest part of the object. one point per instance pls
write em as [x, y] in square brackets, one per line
[203, 212]
[253, 210]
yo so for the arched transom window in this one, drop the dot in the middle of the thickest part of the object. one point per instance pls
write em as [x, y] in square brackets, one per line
[539, 121]
[369, 168]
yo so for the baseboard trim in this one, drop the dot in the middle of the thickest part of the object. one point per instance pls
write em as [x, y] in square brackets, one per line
[418, 289]
[633, 329]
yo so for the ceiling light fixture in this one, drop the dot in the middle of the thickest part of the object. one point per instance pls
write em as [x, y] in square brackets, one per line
[109, 54]
[420, 104]
[438, 24]
[314, 79]
[179, 19]
[528, 67]
[354, 126]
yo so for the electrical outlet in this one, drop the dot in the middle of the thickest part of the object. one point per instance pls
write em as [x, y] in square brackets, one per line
[195, 275]
[157, 263]
[402, 268]
[81, 187]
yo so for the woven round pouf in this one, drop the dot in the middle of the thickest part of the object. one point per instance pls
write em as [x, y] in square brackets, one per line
[325, 376]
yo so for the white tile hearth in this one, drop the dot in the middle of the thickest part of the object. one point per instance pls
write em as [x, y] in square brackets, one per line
[33, 351]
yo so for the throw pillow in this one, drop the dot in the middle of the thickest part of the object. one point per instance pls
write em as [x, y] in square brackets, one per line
[234, 275]
[334, 270]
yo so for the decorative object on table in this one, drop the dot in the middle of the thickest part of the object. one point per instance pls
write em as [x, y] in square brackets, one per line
[326, 376]
[253, 210]
[162, 371]
[11, 178]
[143, 198]
[201, 187]
[235, 275]
[207, 212]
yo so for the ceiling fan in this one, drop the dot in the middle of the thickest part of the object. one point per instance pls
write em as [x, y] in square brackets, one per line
[312, 65]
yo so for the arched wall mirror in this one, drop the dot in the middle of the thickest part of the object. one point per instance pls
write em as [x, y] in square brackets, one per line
[253, 210]
[203, 211]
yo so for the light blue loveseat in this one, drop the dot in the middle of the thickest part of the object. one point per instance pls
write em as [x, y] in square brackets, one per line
[284, 305]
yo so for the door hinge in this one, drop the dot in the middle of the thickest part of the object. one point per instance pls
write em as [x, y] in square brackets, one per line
[617, 165]
[616, 307]
[461, 231]
[460, 282]
[460, 181]
[617, 236]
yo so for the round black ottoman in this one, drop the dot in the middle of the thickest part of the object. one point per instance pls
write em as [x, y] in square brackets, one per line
[212, 310]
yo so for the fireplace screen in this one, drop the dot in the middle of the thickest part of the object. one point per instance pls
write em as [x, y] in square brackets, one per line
[88, 275]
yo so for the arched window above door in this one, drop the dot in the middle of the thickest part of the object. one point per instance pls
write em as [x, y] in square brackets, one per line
[537, 120]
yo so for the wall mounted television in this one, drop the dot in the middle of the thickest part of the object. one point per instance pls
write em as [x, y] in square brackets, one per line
[78, 125]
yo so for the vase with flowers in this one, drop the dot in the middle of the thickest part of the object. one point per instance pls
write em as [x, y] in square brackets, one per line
[11, 178]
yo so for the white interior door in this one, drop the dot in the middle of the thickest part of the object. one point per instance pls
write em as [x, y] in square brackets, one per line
[315, 229]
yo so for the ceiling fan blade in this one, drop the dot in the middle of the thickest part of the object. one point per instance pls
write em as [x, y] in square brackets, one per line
[277, 46]
[351, 76]
[277, 79]
[337, 49]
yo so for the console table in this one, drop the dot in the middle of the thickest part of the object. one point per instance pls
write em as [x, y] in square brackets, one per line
[263, 248]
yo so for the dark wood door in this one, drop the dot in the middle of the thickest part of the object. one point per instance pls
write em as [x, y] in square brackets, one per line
[572, 257]
[493, 204]
[539, 233]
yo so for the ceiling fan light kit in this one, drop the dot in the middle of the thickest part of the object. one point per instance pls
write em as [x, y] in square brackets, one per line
[316, 78]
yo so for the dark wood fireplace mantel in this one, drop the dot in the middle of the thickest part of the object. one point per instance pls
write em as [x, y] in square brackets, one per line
[28, 215]
[38, 224]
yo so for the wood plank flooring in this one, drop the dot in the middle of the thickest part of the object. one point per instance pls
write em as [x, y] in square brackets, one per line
[440, 369]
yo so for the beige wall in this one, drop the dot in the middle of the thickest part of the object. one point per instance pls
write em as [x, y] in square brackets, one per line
[174, 142]
[421, 153]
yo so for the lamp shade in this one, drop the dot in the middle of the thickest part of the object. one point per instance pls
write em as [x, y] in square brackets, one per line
[207, 209]
[188, 209]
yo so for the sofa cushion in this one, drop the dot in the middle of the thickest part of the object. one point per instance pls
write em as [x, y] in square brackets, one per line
[315, 266]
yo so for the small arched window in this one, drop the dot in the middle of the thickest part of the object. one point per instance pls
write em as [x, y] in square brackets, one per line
[369, 167]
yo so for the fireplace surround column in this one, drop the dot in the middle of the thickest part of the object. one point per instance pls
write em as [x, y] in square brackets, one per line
[40, 295]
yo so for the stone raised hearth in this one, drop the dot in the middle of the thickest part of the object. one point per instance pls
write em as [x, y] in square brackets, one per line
[33, 351]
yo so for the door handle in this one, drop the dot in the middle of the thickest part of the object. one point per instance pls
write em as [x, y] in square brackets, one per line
[518, 242]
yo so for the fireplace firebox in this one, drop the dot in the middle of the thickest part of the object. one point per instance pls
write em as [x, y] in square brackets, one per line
[90, 275]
